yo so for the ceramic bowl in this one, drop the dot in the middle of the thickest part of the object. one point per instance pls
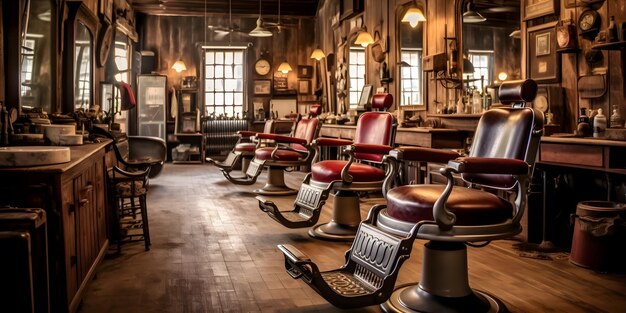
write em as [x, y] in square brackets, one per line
[70, 140]
[52, 133]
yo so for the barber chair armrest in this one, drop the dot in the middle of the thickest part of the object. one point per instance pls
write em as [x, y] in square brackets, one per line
[489, 166]
[299, 263]
[246, 133]
[369, 148]
[422, 154]
[139, 175]
[331, 142]
[283, 138]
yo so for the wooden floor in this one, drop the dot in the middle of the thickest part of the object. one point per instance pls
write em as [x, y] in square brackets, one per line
[213, 250]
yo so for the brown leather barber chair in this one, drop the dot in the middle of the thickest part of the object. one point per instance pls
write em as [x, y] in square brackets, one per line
[288, 151]
[375, 133]
[450, 217]
[243, 150]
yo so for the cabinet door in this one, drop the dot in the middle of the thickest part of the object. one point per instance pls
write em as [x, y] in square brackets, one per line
[69, 231]
[101, 202]
[86, 233]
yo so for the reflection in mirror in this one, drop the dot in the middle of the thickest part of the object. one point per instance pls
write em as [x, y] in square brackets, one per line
[35, 76]
[411, 48]
[356, 74]
[82, 67]
[491, 45]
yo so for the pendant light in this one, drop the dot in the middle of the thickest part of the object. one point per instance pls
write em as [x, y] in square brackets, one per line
[364, 39]
[471, 16]
[413, 16]
[284, 67]
[318, 54]
[260, 31]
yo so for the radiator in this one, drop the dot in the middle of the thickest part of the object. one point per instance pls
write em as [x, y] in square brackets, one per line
[220, 136]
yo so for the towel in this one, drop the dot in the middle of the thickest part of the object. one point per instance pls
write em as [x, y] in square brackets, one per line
[174, 102]
[127, 96]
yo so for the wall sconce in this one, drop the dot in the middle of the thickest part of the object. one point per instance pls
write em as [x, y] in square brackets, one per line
[284, 67]
[364, 38]
[413, 16]
[179, 66]
[502, 76]
[318, 54]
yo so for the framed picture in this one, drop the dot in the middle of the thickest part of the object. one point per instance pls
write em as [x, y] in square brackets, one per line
[305, 71]
[570, 4]
[262, 87]
[106, 9]
[364, 100]
[280, 83]
[542, 44]
[544, 67]
[538, 8]
[304, 87]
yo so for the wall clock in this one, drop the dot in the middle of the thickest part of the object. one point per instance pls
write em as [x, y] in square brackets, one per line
[262, 67]
[566, 37]
[589, 22]
[104, 44]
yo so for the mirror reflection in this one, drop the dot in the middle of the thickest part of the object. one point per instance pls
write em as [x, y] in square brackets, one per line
[82, 67]
[491, 43]
[411, 48]
[35, 78]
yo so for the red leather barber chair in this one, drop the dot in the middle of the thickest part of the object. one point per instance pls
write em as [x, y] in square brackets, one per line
[243, 150]
[450, 217]
[375, 133]
[288, 151]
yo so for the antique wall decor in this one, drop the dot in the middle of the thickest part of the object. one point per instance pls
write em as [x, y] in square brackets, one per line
[262, 87]
[543, 65]
[538, 8]
[305, 71]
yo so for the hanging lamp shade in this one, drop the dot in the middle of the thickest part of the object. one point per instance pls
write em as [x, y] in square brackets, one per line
[284, 67]
[260, 31]
[364, 39]
[468, 67]
[179, 66]
[318, 54]
[471, 16]
[413, 16]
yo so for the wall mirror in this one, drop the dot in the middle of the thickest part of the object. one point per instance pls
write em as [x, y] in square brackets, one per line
[491, 44]
[36, 78]
[79, 58]
[410, 28]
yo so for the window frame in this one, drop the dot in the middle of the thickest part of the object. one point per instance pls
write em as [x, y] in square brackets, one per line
[231, 110]
[360, 81]
[419, 79]
[490, 69]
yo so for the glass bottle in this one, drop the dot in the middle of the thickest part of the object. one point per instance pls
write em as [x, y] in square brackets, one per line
[611, 31]
[583, 128]
[616, 118]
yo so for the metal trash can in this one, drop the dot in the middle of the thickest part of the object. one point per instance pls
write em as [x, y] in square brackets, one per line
[599, 235]
[24, 260]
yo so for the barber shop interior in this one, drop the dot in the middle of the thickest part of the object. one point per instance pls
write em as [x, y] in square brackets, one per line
[186, 156]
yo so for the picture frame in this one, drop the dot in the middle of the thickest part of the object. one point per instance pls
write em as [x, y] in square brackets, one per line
[544, 67]
[538, 8]
[305, 71]
[106, 9]
[570, 4]
[304, 87]
[280, 83]
[262, 87]
[364, 100]
[542, 44]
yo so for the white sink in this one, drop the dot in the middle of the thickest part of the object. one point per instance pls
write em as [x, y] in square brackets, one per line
[33, 155]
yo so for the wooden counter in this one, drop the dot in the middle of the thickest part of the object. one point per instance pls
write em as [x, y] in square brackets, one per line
[412, 136]
[74, 197]
[586, 153]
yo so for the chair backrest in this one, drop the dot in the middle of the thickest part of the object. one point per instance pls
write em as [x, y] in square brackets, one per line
[376, 128]
[511, 133]
[307, 128]
[269, 127]
[382, 101]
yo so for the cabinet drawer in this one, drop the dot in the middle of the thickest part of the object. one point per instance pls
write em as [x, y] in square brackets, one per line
[592, 156]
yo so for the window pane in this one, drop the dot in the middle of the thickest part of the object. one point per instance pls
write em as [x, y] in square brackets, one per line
[224, 74]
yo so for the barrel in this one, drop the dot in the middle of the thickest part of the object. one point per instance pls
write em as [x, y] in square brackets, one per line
[599, 235]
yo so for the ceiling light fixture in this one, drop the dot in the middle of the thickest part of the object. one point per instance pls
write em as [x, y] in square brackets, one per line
[318, 54]
[413, 16]
[471, 16]
[260, 31]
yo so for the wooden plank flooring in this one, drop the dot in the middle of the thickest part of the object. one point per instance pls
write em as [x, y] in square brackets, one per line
[213, 250]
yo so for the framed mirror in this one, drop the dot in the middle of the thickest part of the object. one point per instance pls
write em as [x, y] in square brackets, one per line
[411, 26]
[36, 69]
[491, 44]
[79, 58]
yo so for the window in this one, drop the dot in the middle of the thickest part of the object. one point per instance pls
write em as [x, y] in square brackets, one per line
[411, 77]
[83, 89]
[483, 64]
[356, 74]
[28, 54]
[224, 90]
[122, 63]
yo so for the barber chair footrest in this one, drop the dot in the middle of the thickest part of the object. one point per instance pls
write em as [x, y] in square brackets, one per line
[227, 164]
[306, 210]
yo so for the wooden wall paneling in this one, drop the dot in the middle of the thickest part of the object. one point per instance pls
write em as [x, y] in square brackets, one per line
[2, 73]
[617, 83]
[569, 79]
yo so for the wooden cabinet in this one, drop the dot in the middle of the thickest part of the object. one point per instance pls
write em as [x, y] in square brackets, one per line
[74, 197]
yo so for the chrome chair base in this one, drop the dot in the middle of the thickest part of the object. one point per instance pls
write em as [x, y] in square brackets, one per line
[411, 298]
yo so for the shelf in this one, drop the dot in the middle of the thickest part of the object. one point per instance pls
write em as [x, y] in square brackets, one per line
[568, 50]
[616, 45]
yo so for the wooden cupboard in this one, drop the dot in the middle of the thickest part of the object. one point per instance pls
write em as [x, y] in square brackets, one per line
[74, 197]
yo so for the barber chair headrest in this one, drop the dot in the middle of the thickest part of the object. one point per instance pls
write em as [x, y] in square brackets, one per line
[315, 110]
[382, 101]
[127, 96]
[517, 91]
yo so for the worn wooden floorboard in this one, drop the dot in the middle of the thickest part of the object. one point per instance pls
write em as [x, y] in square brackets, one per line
[213, 250]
